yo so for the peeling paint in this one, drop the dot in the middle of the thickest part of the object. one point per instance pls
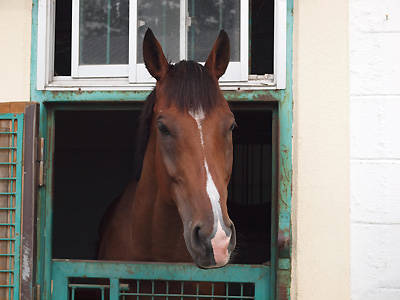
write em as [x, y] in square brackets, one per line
[26, 268]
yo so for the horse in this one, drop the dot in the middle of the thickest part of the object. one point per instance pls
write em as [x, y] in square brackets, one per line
[175, 210]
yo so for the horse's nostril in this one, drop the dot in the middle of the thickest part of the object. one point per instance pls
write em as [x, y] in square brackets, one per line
[199, 239]
[232, 242]
[232, 227]
[196, 239]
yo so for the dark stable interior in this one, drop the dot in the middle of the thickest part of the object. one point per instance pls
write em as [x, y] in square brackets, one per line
[93, 161]
[261, 32]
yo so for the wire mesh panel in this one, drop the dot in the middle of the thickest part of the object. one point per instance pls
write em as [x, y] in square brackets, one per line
[11, 132]
[158, 289]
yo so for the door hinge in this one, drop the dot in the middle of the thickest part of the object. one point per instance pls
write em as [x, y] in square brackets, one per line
[36, 292]
[40, 158]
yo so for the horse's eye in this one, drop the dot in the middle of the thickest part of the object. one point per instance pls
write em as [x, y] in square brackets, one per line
[163, 129]
[233, 126]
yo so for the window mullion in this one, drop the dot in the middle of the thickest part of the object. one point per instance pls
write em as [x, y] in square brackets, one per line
[280, 44]
[75, 39]
[133, 28]
[183, 29]
[45, 44]
[244, 40]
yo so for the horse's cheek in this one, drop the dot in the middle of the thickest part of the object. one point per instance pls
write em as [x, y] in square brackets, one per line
[166, 171]
[229, 160]
[170, 168]
[166, 156]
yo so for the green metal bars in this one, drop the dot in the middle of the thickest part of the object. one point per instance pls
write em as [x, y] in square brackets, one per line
[158, 281]
[11, 136]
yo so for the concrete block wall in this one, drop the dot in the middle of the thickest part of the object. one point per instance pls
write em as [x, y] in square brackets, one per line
[375, 148]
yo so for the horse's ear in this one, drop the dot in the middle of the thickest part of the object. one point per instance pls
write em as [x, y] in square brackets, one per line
[218, 60]
[153, 56]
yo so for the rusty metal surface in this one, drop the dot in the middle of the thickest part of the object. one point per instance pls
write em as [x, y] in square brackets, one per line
[28, 245]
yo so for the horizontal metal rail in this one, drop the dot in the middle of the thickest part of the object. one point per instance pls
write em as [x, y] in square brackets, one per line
[88, 286]
[96, 286]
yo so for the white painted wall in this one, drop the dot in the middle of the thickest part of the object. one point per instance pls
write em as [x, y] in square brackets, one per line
[321, 151]
[15, 49]
[375, 149]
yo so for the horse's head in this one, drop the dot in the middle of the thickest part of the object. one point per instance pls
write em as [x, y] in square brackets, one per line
[192, 131]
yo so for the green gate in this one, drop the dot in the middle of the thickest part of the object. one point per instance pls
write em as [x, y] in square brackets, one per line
[11, 136]
[158, 280]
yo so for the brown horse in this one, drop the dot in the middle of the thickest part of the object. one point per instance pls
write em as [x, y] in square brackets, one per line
[176, 211]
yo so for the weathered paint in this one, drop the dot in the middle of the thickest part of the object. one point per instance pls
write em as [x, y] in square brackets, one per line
[285, 162]
[128, 96]
[31, 128]
[13, 210]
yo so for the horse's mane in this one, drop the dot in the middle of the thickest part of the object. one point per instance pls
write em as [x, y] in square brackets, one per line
[188, 85]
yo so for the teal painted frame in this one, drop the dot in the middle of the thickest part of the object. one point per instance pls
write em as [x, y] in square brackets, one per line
[16, 223]
[283, 118]
[170, 272]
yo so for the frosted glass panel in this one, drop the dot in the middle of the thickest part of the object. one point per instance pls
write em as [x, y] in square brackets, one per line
[104, 32]
[208, 17]
[163, 19]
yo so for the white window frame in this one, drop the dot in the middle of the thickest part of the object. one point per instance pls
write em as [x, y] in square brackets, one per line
[89, 71]
[135, 76]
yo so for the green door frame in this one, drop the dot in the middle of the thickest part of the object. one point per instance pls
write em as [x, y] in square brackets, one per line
[283, 117]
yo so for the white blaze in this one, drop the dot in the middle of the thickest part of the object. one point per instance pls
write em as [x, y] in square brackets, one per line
[220, 240]
[213, 195]
[210, 185]
[198, 116]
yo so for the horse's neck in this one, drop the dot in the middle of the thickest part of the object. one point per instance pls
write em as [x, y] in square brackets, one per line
[157, 227]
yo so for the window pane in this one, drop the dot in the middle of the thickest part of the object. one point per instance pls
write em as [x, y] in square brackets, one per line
[208, 17]
[62, 59]
[262, 37]
[163, 19]
[103, 32]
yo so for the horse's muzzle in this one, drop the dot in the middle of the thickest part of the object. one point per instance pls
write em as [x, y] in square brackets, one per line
[211, 251]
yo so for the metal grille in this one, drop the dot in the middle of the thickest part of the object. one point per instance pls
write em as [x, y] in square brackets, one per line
[159, 289]
[11, 127]
[187, 289]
